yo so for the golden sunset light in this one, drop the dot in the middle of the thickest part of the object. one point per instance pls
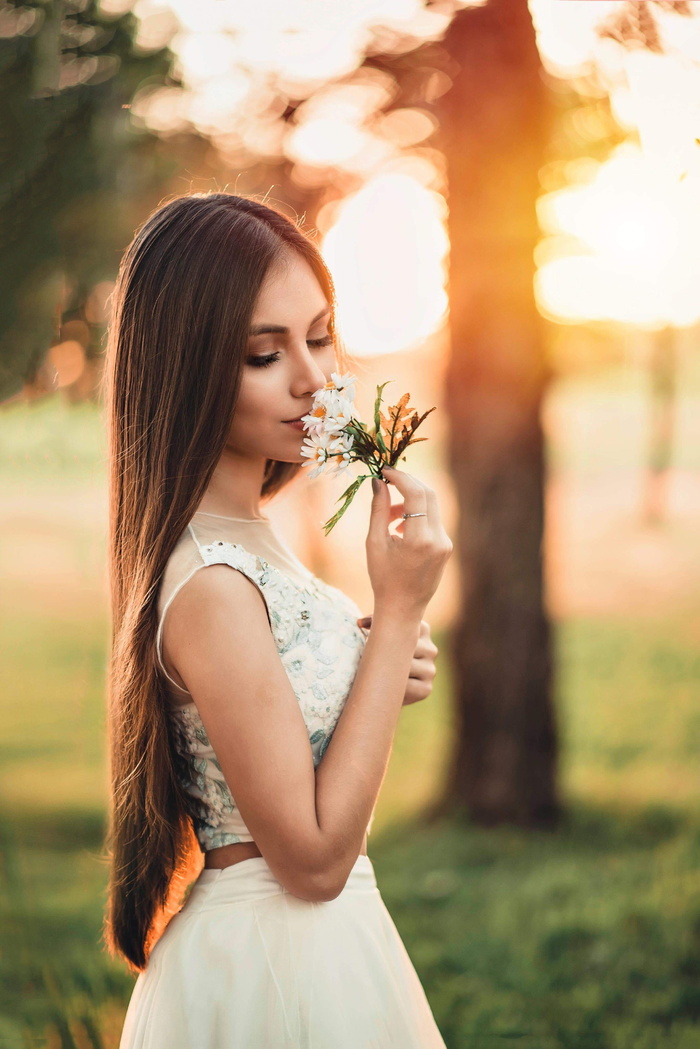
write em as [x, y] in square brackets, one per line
[258, 258]
[637, 262]
[387, 253]
[637, 234]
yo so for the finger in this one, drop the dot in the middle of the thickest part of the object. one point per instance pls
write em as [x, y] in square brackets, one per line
[396, 513]
[379, 510]
[432, 509]
[416, 690]
[422, 667]
[414, 498]
[425, 646]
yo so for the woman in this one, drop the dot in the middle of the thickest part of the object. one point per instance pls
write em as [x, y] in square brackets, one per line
[269, 694]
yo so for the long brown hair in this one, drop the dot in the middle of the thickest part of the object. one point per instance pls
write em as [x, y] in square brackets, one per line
[177, 341]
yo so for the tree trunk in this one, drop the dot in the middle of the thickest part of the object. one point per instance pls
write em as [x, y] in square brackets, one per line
[495, 122]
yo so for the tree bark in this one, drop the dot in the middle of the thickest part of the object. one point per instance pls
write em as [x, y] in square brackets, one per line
[495, 126]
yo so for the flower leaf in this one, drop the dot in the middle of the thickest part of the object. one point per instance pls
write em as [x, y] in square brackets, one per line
[352, 488]
[377, 419]
[349, 494]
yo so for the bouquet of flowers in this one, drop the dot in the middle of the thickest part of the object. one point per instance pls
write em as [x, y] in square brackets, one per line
[337, 438]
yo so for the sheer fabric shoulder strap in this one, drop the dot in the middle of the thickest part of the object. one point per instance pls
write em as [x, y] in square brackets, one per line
[189, 557]
[222, 552]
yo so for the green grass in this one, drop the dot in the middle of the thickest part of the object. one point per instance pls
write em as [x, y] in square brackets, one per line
[58, 988]
[587, 938]
[629, 709]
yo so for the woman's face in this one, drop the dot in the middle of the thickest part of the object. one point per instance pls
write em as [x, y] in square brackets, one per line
[290, 355]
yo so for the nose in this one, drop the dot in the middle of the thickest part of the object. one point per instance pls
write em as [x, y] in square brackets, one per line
[307, 376]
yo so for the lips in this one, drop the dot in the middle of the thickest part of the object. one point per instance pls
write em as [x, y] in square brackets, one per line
[297, 420]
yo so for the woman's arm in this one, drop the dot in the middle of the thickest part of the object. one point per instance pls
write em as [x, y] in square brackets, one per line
[350, 776]
[309, 826]
[308, 823]
[404, 570]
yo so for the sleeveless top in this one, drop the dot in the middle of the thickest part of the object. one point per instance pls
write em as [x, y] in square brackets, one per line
[316, 635]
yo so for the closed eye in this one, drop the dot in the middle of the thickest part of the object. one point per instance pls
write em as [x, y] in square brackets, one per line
[272, 358]
[263, 362]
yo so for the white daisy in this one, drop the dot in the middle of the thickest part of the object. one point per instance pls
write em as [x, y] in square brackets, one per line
[341, 450]
[345, 383]
[330, 413]
[315, 448]
[338, 410]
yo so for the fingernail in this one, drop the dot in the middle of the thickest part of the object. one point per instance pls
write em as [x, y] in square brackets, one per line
[375, 484]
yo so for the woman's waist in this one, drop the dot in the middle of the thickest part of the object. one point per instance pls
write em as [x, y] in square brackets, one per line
[252, 879]
[236, 852]
[227, 855]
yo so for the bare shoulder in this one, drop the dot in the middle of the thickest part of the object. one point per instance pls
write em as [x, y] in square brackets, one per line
[214, 592]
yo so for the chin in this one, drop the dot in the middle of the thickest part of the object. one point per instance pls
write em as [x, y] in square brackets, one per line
[287, 457]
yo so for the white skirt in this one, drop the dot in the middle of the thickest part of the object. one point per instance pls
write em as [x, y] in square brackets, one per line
[246, 965]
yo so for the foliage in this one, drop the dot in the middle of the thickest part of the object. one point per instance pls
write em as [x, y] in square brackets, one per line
[633, 24]
[584, 939]
[588, 938]
[69, 157]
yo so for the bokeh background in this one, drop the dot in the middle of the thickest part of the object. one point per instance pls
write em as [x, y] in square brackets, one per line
[507, 195]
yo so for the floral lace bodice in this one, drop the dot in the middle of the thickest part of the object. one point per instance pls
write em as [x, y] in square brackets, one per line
[316, 635]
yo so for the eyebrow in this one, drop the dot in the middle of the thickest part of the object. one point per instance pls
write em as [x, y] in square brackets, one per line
[278, 329]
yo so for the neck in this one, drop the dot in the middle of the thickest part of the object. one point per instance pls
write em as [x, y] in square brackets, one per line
[235, 487]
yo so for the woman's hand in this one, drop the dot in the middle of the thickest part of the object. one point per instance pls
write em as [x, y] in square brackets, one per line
[420, 679]
[405, 566]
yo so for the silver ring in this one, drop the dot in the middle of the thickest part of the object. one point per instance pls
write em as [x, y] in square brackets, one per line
[413, 515]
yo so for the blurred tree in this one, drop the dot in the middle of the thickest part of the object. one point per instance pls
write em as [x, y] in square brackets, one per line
[478, 69]
[484, 81]
[68, 158]
[495, 126]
